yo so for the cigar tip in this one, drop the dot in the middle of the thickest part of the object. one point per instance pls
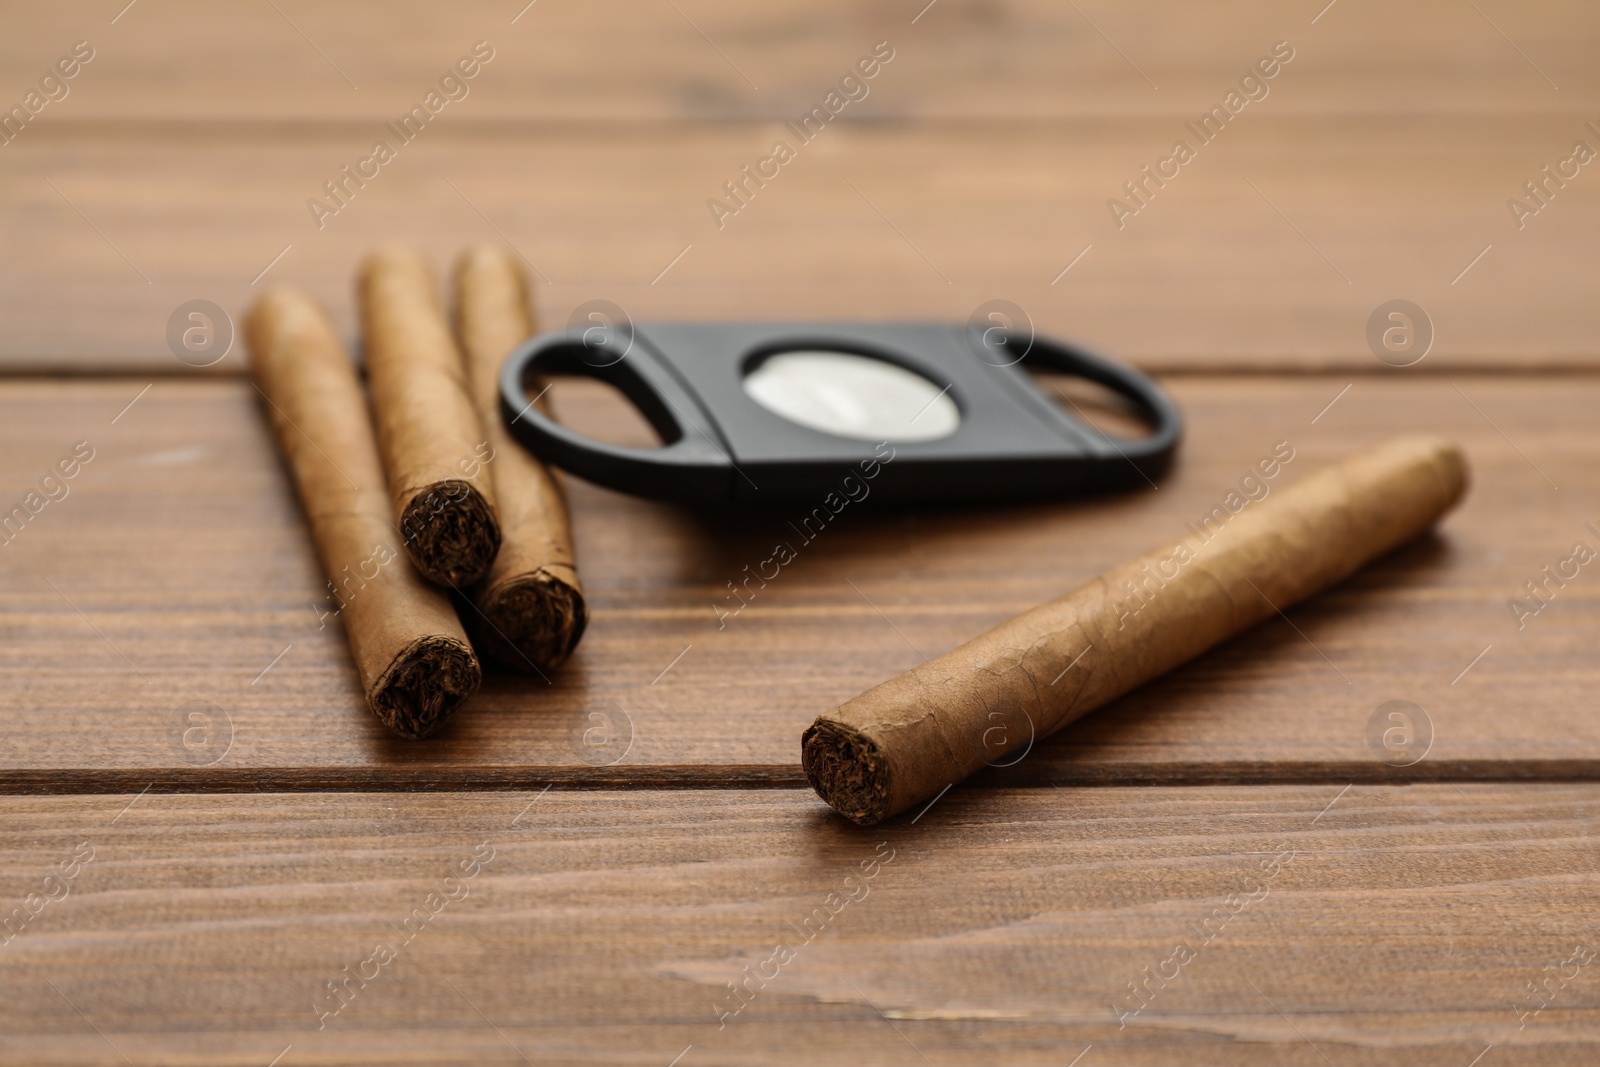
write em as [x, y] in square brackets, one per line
[530, 623]
[848, 770]
[278, 301]
[485, 254]
[424, 685]
[284, 315]
[395, 260]
[1445, 457]
[451, 533]
[1454, 472]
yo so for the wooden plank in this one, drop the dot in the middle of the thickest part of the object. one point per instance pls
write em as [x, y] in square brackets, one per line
[176, 577]
[1320, 926]
[718, 59]
[1271, 250]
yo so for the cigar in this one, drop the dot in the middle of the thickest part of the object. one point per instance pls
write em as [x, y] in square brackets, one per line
[415, 662]
[530, 610]
[907, 740]
[429, 433]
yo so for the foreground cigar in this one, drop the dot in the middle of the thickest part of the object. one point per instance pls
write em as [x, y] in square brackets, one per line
[911, 737]
[530, 606]
[414, 660]
[428, 431]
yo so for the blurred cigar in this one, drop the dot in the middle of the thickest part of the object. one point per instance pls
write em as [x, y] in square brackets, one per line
[415, 662]
[908, 739]
[530, 610]
[429, 433]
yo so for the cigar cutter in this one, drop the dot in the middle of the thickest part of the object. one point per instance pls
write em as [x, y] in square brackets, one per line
[781, 412]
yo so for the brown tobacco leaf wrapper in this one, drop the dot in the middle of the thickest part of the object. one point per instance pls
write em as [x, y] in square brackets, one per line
[530, 611]
[415, 662]
[908, 739]
[429, 433]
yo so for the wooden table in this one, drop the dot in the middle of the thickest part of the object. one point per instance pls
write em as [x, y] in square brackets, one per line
[214, 853]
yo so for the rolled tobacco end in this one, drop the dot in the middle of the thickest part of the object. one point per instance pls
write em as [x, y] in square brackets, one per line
[530, 611]
[414, 659]
[905, 741]
[429, 433]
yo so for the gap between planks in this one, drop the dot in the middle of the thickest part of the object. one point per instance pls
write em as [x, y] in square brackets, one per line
[404, 779]
[1585, 365]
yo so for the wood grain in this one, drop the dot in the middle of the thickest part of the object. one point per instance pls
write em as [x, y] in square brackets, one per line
[1005, 926]
[158, 647]
[1270, 251]
[1379, 166]
[177, 577]
[718, 60]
